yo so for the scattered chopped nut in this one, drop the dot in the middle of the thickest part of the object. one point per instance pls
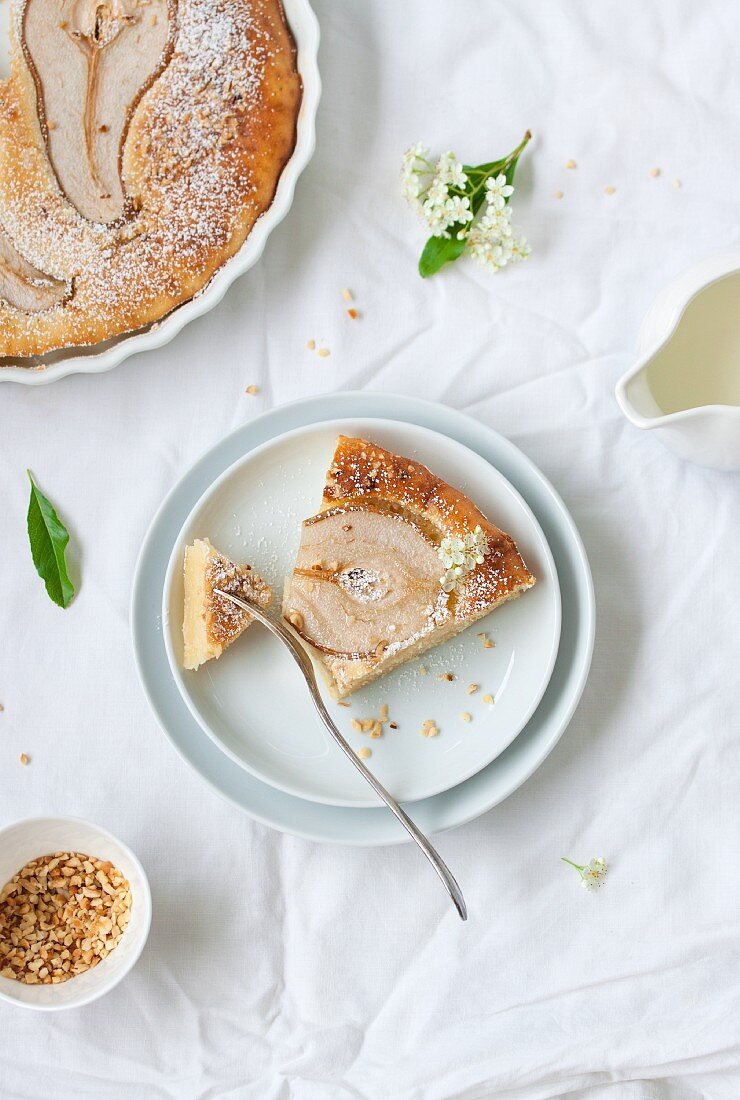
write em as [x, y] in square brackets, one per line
[2, 708]
[558, 194]
[23, 758]
[448, 676]
[323, 352]
[654, 172]
[311, 345]
[374, 726]
[609, 190]
[353, 314]
[295, 619]
[347, 295]
[472, 688]
[59, 916]
[429, 728]
[393, 725]
[466, 716]
[677, 183]
[482, 635]
[570, 164]
[252, 390]
[343, 703]
[487, 698]
[488, 644]
[423, 670]
[364, 753]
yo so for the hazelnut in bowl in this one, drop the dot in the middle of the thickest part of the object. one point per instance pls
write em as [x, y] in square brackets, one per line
[75, 911]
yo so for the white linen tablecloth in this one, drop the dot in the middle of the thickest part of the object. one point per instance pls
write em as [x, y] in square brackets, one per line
[278, 968]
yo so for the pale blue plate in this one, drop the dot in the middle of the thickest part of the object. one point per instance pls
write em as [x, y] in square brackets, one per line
[352, 825]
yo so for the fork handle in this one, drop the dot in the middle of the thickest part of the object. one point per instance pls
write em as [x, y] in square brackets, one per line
[448, 879]
[305, 664]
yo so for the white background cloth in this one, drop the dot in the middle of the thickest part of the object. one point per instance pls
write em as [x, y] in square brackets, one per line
[279, 968]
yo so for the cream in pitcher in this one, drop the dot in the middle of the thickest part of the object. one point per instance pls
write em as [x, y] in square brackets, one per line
[686, 383]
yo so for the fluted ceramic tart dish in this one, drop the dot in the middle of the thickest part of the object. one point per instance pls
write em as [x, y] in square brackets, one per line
[160, 140]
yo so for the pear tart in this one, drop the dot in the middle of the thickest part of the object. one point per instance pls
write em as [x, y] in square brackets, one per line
[139, 142]
[395, 562]
[211, 623]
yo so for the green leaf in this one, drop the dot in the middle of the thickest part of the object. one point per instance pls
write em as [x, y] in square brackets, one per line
[48, 538]
[439, 251]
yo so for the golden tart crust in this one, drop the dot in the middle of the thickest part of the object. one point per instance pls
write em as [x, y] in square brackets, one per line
[202, 153]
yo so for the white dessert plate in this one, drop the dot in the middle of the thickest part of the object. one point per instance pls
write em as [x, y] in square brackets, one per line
[105, 356]
[253, 703]
[353, 825]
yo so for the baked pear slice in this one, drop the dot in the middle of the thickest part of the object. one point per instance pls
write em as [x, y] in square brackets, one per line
[211, 623]
[396, 561]
[23, 285]
[92, 60]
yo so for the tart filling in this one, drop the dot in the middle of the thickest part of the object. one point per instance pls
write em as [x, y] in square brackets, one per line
[210, 622]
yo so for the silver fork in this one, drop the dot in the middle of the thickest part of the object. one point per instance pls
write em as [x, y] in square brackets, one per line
[301, 658]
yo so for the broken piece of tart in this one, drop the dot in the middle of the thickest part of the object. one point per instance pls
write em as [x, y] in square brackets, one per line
[211, 623]
[396, 562]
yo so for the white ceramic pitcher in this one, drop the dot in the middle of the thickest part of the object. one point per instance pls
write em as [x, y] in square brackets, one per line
[685, 385]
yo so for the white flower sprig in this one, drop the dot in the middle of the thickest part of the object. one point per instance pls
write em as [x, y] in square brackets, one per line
[460, 556]
[592, 874]
[449, 195]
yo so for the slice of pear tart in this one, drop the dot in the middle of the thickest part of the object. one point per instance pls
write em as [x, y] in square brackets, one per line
[396, 562]
[210, 622]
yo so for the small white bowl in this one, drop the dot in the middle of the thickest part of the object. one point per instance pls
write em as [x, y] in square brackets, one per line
[39, 836]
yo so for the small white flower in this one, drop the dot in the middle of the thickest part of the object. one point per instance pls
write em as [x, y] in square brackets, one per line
[458, 209]
[498, 191]
[450, 171]
[453, 579]
[414, 165]
[460, 557]
[442, 210]
[520, 250]
[486, 246]
[497, 222]
[476, 548]
[436, 217]
[592, 875]
[437, 193]
[411, 188]
[452, 551]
